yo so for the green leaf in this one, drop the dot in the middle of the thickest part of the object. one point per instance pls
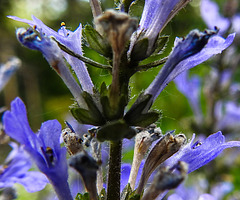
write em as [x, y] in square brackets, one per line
[90, 116]
[142, 103]
[138, 115]
[145, 120]
[84, 196]
[96, 41]
[115, 131]
[139, 51]
[161, 43]
[136, 8]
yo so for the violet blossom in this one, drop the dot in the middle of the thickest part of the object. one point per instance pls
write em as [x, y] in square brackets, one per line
[16, 170]
[72, 40]
[43, 147]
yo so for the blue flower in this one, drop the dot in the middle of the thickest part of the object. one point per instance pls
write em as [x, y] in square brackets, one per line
[199, 153]
[187, 54]
[15, 170]
[7, 70]
[44, 147]
[53, 55]
[212, 17]
[156, 14]
[70, 39]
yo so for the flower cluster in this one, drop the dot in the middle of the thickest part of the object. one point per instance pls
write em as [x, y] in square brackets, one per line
[164, 160]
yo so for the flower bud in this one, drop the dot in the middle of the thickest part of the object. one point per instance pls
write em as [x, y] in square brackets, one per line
[165, 148]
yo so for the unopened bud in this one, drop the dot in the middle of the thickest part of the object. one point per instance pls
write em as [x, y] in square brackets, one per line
[165, 148]
[118, 27]
[143, 141]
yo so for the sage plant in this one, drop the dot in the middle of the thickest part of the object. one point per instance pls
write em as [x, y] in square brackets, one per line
[124, 43]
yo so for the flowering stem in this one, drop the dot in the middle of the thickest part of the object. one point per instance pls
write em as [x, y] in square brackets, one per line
[114, 173]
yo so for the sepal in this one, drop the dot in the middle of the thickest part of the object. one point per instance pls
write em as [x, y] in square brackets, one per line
[115, 131]
[96, 41]
[139, 51]
[138, 115]
[92, 115]
[136, 8]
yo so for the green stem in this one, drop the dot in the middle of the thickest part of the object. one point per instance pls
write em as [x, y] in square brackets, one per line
[114, 172]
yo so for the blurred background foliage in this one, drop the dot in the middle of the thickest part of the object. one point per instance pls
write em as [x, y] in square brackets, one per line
[43, 92]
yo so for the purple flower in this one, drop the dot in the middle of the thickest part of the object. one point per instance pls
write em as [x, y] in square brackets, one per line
[15, 170]
[191, 88]
[156, 14]
[212, 17]
[185, 55]
[70, 39]
[43, 147]
[7, 70]
[197, 154]
[53, 55]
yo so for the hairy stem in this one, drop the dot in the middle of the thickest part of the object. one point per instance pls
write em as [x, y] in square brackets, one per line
[114, 173]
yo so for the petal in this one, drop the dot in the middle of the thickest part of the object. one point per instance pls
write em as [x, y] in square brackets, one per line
[72, 40]
[33, 181]
[197, 155]
[16, 124]
[211, 16]
[49, 48]
[215, 45]
[50, 133]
